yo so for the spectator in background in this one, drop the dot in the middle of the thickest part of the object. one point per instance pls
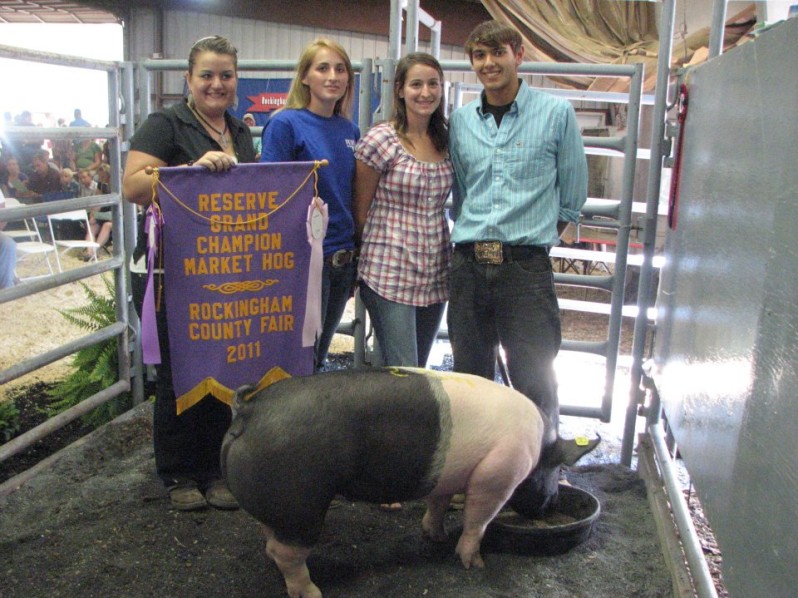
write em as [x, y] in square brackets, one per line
[88, 154]
[249, 120]
[101, 228]
[26, 149]
[100, 218]
[8, 254]
[106, 150]
[103, 178]
[86, 184]
[15, 183]
[79, 120]
[68, 182]
[61, 149]
[45, 178]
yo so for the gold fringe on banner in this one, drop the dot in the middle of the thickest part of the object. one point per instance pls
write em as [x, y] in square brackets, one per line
[213, 387]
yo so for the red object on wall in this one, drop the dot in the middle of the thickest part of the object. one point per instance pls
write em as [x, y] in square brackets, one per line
[673, 199]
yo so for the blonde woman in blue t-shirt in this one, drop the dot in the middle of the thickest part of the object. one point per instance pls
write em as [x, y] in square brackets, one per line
[315, 125]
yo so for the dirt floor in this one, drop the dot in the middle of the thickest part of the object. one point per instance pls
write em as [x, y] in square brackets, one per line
[98, 523]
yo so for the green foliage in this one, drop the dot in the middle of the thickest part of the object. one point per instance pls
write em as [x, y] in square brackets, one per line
[95, 367]
[9, 420]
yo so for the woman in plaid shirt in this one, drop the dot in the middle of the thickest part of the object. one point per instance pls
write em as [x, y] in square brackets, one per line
[403, 179]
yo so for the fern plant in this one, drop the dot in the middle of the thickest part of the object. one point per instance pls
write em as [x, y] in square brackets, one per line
[95, 367]
[9, 420]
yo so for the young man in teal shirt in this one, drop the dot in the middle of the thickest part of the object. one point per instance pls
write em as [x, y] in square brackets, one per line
[520, 177]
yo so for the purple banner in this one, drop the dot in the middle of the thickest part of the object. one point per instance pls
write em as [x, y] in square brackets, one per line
[242, 255]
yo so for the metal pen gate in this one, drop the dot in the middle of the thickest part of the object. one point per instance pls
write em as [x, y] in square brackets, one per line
[116, 264]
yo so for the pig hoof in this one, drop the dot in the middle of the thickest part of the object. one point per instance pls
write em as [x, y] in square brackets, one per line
[311, 590]
[474, 560]
[436, 535]
[433, 530]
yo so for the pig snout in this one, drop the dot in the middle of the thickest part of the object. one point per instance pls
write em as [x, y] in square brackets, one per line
[538, 494]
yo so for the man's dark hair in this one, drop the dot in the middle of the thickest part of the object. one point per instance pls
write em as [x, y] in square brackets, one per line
[494, 35]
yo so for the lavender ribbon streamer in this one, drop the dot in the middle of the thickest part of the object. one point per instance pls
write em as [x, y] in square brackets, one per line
[150, 349]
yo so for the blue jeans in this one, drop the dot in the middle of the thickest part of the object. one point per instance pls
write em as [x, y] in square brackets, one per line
[405, 332]
[513, 305]
[8, 261]
[337, 284]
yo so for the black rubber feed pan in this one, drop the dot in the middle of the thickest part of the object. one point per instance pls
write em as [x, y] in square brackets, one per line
[563, 529]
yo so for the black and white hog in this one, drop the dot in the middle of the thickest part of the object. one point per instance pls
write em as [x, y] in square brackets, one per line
[382, 436]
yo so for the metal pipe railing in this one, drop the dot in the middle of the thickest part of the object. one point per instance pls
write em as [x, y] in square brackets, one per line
[702, 578]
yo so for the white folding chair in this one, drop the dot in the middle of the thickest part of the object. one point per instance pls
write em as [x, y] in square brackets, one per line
[31, 243]
[67, 244]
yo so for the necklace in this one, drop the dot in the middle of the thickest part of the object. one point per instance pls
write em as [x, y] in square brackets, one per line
[222, 134]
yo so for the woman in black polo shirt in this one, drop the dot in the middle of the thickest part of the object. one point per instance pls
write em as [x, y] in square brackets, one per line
[198, 131]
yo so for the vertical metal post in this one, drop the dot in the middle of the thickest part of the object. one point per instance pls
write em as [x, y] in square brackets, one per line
[145, 93]
[395, 30]
[411, 27]
[385, 109]
[717, 29]
[622, 246]
[130, 226]
[435, 41]
[650, 232]
[365, 94]
[120, 277]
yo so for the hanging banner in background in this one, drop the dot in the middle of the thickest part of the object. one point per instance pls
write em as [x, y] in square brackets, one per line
[242, 255]
[261, 97]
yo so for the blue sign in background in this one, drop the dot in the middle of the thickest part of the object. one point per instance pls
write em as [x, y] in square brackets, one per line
[254, 87]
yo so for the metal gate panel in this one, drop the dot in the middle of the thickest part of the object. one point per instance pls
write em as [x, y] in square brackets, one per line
[726, 348]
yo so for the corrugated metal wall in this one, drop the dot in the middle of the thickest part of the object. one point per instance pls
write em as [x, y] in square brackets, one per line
[727, 332]
[254, 40]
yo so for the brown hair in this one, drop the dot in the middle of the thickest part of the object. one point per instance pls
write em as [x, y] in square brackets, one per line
[494, 35]
[213, 43]
[437, 129]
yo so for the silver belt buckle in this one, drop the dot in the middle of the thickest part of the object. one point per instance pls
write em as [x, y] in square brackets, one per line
[340, 258]
[488, 252]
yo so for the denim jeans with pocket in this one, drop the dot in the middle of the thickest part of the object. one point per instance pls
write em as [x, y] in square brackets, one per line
[405, 332]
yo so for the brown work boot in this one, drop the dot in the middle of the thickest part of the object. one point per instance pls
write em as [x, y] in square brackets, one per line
[219, 496]
[185, 496]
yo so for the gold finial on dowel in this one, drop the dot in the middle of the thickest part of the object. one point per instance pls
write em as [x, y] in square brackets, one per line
[149, 170]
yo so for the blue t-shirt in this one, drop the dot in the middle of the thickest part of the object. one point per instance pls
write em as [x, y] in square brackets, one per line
[302, 136]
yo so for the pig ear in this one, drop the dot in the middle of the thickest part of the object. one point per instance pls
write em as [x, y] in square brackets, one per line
[570, 451]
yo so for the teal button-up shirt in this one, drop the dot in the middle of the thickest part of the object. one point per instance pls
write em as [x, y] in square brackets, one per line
[513, 183]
